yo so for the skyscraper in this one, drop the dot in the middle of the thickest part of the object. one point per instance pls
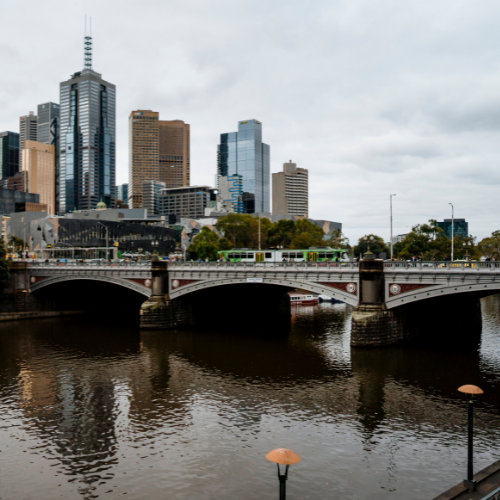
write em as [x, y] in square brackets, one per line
[151, 194]
[243, 153]
[48, 133]
[47, 113]
[122, 193]
[28, 130]
[291, 191]
[9, 154]
[87, 139]
[158, 150]
[38, 168]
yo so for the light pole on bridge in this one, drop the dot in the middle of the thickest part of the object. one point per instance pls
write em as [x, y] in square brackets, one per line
[452, 229]
[391, 222]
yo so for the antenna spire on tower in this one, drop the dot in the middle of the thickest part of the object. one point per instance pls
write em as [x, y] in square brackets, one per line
[87, 46]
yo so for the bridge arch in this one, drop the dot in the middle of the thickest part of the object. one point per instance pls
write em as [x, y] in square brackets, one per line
[288, 284]
[131, 285]
[442, 290]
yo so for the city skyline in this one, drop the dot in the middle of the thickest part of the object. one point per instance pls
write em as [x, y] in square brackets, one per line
[416, 128]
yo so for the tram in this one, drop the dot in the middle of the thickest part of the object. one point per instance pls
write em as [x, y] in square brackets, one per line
[323, 254]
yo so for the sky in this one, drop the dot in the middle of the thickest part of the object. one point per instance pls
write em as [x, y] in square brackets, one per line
[373, 98]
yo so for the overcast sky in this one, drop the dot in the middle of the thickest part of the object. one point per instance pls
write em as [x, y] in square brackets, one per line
[372, 97]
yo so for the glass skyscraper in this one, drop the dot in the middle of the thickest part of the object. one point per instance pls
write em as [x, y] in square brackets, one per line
[87, 140]
[9, 154]
[243, 153]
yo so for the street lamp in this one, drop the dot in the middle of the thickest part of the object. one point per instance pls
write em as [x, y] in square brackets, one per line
[467, 245]
[470, 482]
[391, 222]
[368, 255]
[452, 229]
[155, 244]
[284, 457]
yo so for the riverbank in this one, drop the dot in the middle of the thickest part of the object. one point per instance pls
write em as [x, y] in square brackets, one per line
[15, 316]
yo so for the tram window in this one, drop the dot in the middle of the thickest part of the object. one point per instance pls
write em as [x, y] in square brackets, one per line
[285, 255]
[269, 255]
[329, 255]
[243, 256]
[231, 256]
[321, 255]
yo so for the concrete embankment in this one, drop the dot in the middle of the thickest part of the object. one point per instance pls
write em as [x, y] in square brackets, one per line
[14, 316]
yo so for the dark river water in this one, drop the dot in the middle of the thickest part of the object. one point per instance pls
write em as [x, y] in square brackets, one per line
[92, 408]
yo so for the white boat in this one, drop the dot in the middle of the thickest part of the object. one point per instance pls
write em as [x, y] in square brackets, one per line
[302, 298]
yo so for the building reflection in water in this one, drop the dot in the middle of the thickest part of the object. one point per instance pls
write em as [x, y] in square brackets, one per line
[189, 410]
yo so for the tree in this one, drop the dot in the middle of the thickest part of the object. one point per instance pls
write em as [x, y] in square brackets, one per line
[490, 247]
[307, 234]
[4, 267]
[281, 233]
[338, 240]
[235, 228]
[16, 242]
[205, 244]
[378, 245]
[425, 241]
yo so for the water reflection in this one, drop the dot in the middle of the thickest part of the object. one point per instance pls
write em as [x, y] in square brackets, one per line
[92, 408]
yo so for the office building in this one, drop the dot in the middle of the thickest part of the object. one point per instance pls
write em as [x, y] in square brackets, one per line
[48, 114]
[399, 238]
[186, 202]
[121, 193]
[231, 191]
[18, 201]
[158, 150]
[460, 227]
[9, 154]
[291, 191]
[38, 172]
[28, 131]
[48, 133]
[15, 182]
[87, 139]
[151, 194]
[243, 153]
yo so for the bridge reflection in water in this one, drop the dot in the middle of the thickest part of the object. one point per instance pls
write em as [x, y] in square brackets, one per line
[98, 407]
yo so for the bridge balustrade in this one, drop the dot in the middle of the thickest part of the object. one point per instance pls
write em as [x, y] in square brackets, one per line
[246, 265]
[443, 266]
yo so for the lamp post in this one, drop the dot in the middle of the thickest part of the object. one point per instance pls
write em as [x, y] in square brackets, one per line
[470, 482]
[391, 223]
[284, 457]
[154, 244]
[107, 239]
[467, 245]
[259, 231]
[452, 229]
[368, 254]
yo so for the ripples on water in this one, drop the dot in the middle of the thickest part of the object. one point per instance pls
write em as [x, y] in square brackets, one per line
[93, 409]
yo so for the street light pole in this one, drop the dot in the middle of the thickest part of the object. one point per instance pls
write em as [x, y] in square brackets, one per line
[391, 223]
[284, 457]
[470, 482]
[452, 229]
[259, 231]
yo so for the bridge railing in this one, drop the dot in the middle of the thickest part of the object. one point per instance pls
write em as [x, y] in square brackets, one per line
[257, 265]
[142, 264]
[443, 266]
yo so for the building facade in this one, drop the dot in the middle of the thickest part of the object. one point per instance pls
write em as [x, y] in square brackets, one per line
[243, 153]
[9, 154]
[231, 190]
[121, 193]
[48, 133]
[158, 150]
[18, 201]
[151, 196]
[186, 202]
[291, 191]
[38, 169]
[87, 141]
[28, 131]
[460, 227]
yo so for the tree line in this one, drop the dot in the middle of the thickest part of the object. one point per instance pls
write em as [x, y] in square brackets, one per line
[425, 241]
[242, 231]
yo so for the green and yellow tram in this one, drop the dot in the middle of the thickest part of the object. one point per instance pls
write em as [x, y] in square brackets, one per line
[299, 255]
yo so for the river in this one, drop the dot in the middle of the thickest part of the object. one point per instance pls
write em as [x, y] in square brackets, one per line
[92, 408]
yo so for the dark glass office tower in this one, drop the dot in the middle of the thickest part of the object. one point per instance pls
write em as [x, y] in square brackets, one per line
[48, 133]
[87, 140]
[9, 154]
[243, 153]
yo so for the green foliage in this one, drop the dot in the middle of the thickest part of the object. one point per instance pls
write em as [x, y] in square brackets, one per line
[242, 230]
[307, 234]
[205, 244]
[338, 240]
[378, 245]
[4, 267]
[281, 233]
[16, 242]
[490, 247]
